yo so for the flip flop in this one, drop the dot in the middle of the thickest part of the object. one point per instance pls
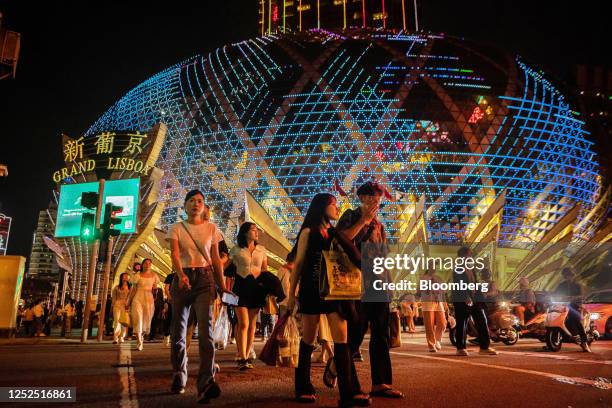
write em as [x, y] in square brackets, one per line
[330, 376]
[387, 393]
[306, 399]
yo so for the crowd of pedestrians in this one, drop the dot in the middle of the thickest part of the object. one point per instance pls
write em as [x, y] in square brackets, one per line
[209, 282]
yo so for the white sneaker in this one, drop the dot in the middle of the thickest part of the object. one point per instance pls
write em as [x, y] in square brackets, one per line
[253, 355]
[139, 347]
[462, 352]
[433, 350]
[438, 346]
[488, 352]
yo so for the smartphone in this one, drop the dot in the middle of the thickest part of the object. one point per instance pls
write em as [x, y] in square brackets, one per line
[229, 299]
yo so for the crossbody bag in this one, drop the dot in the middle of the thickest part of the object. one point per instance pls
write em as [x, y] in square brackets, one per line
[204, 254]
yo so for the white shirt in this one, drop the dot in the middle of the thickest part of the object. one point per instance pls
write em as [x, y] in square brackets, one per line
[247, 263]
[206, 234]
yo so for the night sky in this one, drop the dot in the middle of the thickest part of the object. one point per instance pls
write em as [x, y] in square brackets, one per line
[77, 60]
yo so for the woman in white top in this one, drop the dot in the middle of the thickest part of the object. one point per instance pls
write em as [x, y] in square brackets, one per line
[434, 307]
[250, 260]
[141, 301]
[120, 297]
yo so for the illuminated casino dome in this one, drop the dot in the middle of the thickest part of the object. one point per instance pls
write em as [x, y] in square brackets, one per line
[281, 117]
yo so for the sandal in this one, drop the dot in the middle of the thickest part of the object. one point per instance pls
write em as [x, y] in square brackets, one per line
[330, 376]
[387, 393]
[306, 399]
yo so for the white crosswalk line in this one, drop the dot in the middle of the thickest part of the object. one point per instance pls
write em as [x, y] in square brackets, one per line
[556, 377]
[129, 393]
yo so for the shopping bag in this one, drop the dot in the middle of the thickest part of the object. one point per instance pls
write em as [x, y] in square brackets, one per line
[221, 329]
[270, 307]
[341, 279]
[269, 353]
[395, 337]
[289, 343]
[125, 319]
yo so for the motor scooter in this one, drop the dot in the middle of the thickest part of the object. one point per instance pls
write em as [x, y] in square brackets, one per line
[503, 326]
[557, 332]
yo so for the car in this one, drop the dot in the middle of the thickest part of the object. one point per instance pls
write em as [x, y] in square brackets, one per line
[599, 305]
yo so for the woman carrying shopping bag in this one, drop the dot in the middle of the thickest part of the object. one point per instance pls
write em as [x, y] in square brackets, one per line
[315, 237]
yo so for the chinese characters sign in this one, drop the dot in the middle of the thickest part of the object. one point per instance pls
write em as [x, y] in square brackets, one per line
[124, 193]
[108, 150]
[5, 229]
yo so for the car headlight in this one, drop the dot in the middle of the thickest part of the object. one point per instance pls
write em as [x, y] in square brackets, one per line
[596, 316]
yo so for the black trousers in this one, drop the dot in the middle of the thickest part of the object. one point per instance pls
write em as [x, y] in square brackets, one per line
[462, 314]
[573, 322]
[376, 315]
[168, 321]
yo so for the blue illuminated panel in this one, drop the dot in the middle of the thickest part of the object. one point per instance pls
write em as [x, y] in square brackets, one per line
[285, 117]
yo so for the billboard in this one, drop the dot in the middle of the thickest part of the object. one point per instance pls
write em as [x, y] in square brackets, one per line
[5, 230]
[119, 192]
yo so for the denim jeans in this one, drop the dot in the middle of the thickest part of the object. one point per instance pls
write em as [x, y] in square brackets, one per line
[573, 322]
[200, 297]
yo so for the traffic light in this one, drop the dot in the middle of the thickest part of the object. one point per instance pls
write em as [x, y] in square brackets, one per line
[108, 226]
[89, 200]
[88, 226]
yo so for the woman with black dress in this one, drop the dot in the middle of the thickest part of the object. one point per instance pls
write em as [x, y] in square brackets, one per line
[250, 260]
[316, 235]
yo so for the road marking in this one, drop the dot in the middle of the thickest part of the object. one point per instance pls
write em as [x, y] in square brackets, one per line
[555, 357]
[531, 354]
[556, 377]
[129, 393]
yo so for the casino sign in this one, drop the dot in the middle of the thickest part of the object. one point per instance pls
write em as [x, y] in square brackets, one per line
[105, 152]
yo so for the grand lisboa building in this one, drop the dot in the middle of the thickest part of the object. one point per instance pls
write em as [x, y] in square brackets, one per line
[283, 116]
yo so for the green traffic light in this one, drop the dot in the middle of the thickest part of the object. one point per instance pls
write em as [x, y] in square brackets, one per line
[88, 222]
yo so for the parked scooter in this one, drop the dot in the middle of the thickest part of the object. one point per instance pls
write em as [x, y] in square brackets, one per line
[503, 326]
[535, 327]
[557, 332]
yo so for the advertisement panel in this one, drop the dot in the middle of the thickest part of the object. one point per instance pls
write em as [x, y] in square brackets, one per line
[124, 193]
[5, 230]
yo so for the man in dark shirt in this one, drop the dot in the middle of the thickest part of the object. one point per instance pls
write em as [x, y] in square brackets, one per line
[573, 292]
[466, 304]
[362, 227]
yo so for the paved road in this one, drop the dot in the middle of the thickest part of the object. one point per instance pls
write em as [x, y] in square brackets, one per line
[107, 375]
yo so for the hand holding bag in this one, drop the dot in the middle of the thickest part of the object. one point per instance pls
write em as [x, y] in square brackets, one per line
[124, 319]
[270, 307]
[340, 279]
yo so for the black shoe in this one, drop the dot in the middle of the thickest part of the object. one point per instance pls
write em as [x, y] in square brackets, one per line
[177, 387]
[243, 365]
[211, 391]
[357, 356]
